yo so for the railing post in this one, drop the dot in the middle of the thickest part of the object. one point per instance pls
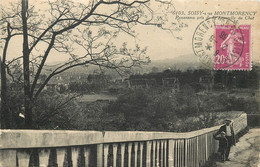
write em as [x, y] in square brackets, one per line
[148, 154]
[114, 154]
[192, 152]
[186, 152]
[60, 156]
[100, 155]
[153, 156]
[23, 158]
[87, 156]
[197, 150]
[44, 157]
[122, 154]
[206, 142]
[161, 160]
[171, 153]
[129, 154]
[135, 149]
[157, 153]
[182, 153]
[7, 158]
[74, 155]
[165, 153]
[105, 152]
[141, 153]
[179, 153]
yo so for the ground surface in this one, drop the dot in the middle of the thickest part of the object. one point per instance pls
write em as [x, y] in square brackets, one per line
[246, 153]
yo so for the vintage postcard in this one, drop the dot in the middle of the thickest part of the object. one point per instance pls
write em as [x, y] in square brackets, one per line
[101, 83]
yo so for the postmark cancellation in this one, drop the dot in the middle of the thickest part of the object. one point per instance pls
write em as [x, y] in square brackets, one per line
[221, 44]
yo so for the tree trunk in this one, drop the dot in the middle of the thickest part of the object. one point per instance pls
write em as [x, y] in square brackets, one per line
[5, 122]
[26, 69]
[5, 115]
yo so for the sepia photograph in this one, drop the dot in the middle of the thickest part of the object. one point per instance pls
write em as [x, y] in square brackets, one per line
[130, 83]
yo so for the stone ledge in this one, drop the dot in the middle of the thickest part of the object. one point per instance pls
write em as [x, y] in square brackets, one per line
[13, 139]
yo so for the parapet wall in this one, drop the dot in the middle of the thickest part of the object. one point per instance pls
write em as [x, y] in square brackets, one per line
[96, 148]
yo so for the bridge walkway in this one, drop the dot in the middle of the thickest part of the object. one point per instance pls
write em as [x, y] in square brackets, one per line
[246, 153]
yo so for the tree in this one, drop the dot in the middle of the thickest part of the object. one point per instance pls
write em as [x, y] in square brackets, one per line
[155, 70]
[87, 33]
[8, 32]
[4, 106]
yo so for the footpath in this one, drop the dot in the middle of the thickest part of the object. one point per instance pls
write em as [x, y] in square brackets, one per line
[246, 153]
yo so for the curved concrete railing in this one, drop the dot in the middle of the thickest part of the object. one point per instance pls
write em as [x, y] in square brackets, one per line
[109, 148]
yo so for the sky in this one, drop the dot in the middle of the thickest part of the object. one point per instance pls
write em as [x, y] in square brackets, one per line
[162, 44]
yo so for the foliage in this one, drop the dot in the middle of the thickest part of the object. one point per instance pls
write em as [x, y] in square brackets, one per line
[161, 110]
[53, 110]
[84, 32]
[143, 110]
[127, 108]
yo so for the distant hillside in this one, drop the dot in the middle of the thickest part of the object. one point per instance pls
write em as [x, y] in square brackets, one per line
[179, 63]
[180, 59]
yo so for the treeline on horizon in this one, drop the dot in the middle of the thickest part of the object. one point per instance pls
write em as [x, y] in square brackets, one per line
[219, 79]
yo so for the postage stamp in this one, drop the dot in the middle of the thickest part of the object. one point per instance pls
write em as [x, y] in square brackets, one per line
[221, 44]
[232, 47]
